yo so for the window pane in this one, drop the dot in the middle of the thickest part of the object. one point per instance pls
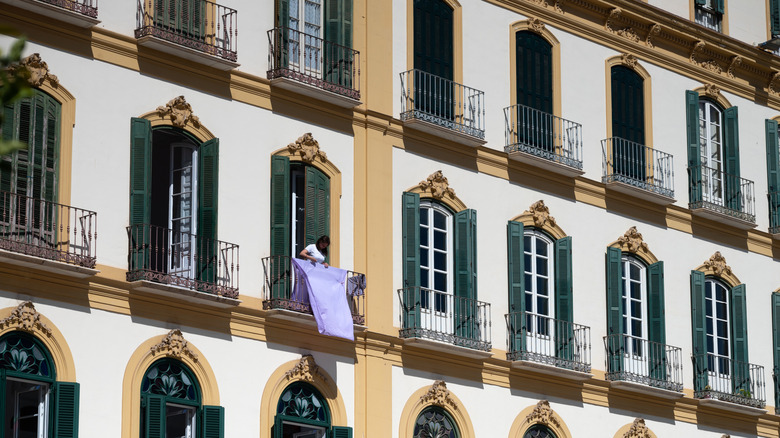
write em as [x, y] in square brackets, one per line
[709, 327]
[721, 310]
[541, 286]
[527, 243]
[723, 328]
[439, 220]
[179, 422]
[636, 291]
[424, 277]
[424, 259]
[529, 302]
[440, 260]
[723, 347]
[721, 293]
[710, 344]
[636, 309]
[541, 247]
[424, 236]
[636, 328]
[423, 216]
[440, 240]
[440, 281]
[527, 259]
[541, 266]
[543, 306]
[529, 282]
[634, 270]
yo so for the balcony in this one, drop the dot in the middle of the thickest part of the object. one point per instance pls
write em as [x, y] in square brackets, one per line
[278, 292]
[543, 140]
[314, 67]
[182, 265]
[547, 345]
[444, 322]
[82, 13]
[729, 384]
[46, 235]
[722, 197]
[774, 214]
[203, 32]
[442, 107]
[637, 170]
[643, 366]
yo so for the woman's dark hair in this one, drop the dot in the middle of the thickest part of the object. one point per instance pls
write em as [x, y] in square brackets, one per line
[323, 239]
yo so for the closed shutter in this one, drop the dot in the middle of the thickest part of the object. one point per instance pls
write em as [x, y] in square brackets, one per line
[66, 409]
[718, 5]
[614, 309]
[340, 432]
[282, 39]
[280, 227]
[773, 172]
[154, 416]
[208, 197]
[317, 222]
[731, 152]
[140, 193]
[699, 331]
[533, 64]
[656, 316]
[739, 342]
[213, 421]
[564, 306]
[774, 17]
[410, 222]
[338, 32]
[466, 311]
[776, 346]
[628, 122]
[694, 156]
[516, 271]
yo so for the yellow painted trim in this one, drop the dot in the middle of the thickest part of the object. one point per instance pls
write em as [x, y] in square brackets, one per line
[623, 432]
[525, 25]
[278, 381]
[521, 424]
[201, 132]
[139, 362]
[328, 168]
[720, 98]
[648, 96]
[415, 405]
[55, 342]
[457, 38]
[724, 23]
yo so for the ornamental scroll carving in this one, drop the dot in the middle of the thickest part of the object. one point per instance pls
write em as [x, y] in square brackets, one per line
[438, 394]
[179, 112]
[438, 185]
[773, 83]
[633, 240]
[638, 430]
[542, 414]
[306, 369]
[697, 49]
[655, 30]
[25, 318]
[536, 25]
[629, 60]
[717, 263]
[711, 65]
[174, 345]
[308, 148]
[38, 71]
[541, 214]
[712, 91]
[734, 62]
[626, 32]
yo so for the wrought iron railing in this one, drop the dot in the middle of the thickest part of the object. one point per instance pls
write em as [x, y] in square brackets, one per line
[48, 230]
[314, 61]
[637, 165]
[182, 259]
[278, 286]
[88, 8]
[442, 102]
[199, 25]
[774, 213]
[543, 135]
[632, 359]
[550, 341]
[723, 378]
[443, 317]
[716, 190]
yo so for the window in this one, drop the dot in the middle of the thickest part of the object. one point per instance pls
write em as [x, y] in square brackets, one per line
[32, 402]
[183, 17]
[534, 84]
[539, 303]
[776, 344]
[435, 421]
[628, 123]
[711, 150]
[716, 305]
[539, 431]
[774, 17]
[434, 58]
[436, 266]
[302, 412]
[773, 174]
[709, 13]
[171, 404]
[634, 306]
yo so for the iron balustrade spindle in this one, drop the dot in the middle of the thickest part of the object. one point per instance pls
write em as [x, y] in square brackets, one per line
[774, 212]
[637, 165]
[722, 378]
[716, 190]
[543, 135]
[632, 359]
[541, 339]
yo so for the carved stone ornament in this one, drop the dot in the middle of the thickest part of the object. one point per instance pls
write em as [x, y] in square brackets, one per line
[725, 435]
[542, 3]
[712, 66]
[308, 148]
[698, 48]
[25, 318]
[438, 185]
[629, 60]
[438, 394]
[614, 14]
[773, 83]
[174, 345]
[38, 71]
[712, 91]
[541, 214]
[536, 25]
[638, 430]
[542, 414]
[717, 263]
[655, 30]
[306, 369]
[735, 62]
[180, 113]
[633, 240]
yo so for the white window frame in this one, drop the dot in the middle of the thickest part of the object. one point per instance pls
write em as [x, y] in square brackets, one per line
[182, 262]
[720, 376]
[712, 151]
[309, 20]
[43, 405]
[437, 310]
[635, 352]
[192, 414]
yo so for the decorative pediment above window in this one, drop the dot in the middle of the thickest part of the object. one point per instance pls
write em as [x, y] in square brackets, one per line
[308, 148]
[306, 369]
[174, 345]
[25, 318]
[536, 25]
[632, 242]
[179, 112]
[437, 185]
[638, 430]
[438, 394]
[628, 60]
[712, 91]
[717, 265]
[543, 414]
[541, 214]
[38, 71]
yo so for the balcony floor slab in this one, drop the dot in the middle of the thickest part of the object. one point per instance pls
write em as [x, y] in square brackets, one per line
[444, 132]
[171, 48]
[546, 164]
[723, 218]
[189, 295]
[646, 389]
[66, 269]
[305, 319]
[551, 370]
[314, 92]
[729, 406]
[429, 344]
[53, 11]
[637, 192]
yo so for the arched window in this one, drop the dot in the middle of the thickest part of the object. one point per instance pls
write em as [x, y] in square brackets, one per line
[436, 256]
[634, 279]
[717, 310]
[711, 150]
[539, 431]
[32, 402]
[302, 412]
[539, 285]
[435, 421]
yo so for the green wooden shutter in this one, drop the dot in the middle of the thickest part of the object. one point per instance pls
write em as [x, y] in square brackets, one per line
[694, 155]
[701, 2]
[280, 227]
[614, 309]
[699, 330]
[731, 152]
[564, 306]
[213, 422]
[2, 396]
[533, 64]
[208, 197]
[278, 429]
[338, 32]
[739, 338]
[340, 432]
[656, 320]
[773, 171]
[317, 201]
[282, 40]
[516, 271]
[466, 313]
[628, 122]
[140, 193]
[66, 409]
[776, 346]
[410, 222]
[774, 18]
[718, 6]
[154, 418]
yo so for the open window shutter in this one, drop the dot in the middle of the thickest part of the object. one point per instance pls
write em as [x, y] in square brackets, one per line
[516, 271]
[323, 206]
[564, 308]
[739, 336]
[718, 6]
[280, 227]
[774, 18]
[410, 222]
[699, 331]
[140, 192]
[657, 320]
[317, 201]
[614, 309]
[282, 39]
[694, 156]
[701, 2]
[338, 32]
[340, 432]
[773, 171]
[731, 151]
[776, 346]
[154, 418]
[208, 181]
[466, 313]
[66, 409]
[213, 422]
